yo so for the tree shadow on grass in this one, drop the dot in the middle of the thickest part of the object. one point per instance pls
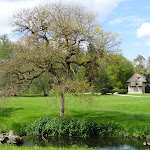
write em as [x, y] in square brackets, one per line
[33, 95]
[6, 112]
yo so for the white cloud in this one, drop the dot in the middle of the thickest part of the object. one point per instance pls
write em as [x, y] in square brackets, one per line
[117, 20]
[101, 7]
[148, 43]
[144, 30]
[132, 20]
[7, 7]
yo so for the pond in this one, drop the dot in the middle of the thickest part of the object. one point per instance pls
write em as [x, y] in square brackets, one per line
[97, 142]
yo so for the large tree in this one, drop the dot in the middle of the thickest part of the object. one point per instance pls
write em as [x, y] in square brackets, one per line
[54, 37]
[119, 71]
[113, 72]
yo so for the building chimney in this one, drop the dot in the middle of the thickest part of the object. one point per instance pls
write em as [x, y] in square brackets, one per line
[136, 76]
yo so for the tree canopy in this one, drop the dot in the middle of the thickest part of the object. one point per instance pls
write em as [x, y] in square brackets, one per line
[4, 46]
[139, 63]
[54, 40]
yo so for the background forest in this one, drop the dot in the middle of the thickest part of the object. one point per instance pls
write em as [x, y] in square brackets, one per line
[105, 76]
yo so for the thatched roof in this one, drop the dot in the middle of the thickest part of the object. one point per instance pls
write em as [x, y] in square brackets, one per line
[137, 78]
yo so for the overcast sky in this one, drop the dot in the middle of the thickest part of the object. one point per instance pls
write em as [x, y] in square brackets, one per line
[130, 18]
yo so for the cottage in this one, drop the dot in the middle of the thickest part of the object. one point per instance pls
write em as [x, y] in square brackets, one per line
[136, 84]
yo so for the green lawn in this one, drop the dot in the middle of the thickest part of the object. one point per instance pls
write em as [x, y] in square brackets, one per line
[12, 147]
[146, 94]
[132, 113]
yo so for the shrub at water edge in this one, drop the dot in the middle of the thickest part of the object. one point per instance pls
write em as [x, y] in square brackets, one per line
[57, 126]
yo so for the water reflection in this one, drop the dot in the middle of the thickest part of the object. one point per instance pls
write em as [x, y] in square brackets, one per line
[97, 143]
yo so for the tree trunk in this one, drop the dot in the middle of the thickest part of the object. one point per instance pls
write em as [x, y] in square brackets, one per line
[46, 92]
[62, 106]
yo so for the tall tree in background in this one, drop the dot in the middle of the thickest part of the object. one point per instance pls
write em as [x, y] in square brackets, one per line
[119, 70]
[4, 46]
[5, 54]
[113, 72]
[143, 67]
[102, 83]
[147, 89]
[105, 45]
[91, 71]
[148, 65]
[54, 35]
[43, 84]
[139, 64]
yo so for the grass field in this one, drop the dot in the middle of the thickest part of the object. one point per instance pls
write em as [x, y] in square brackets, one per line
[12, 147]
[132, 113]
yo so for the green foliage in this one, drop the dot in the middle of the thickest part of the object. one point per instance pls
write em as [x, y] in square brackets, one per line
[119, 71]
[110, 130]
[4, 55]
[104, 110]
[54, 126]
[55, 45]
[14, 147]
[140, 133]
[4, 46]
[147, 88]
[57, 126]
[18, 128]
[148, 65]
[139, 65]
[142, 67]
[122, 91]
[43, 84]
[91, 68]
[103, 84]
[113, 72]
